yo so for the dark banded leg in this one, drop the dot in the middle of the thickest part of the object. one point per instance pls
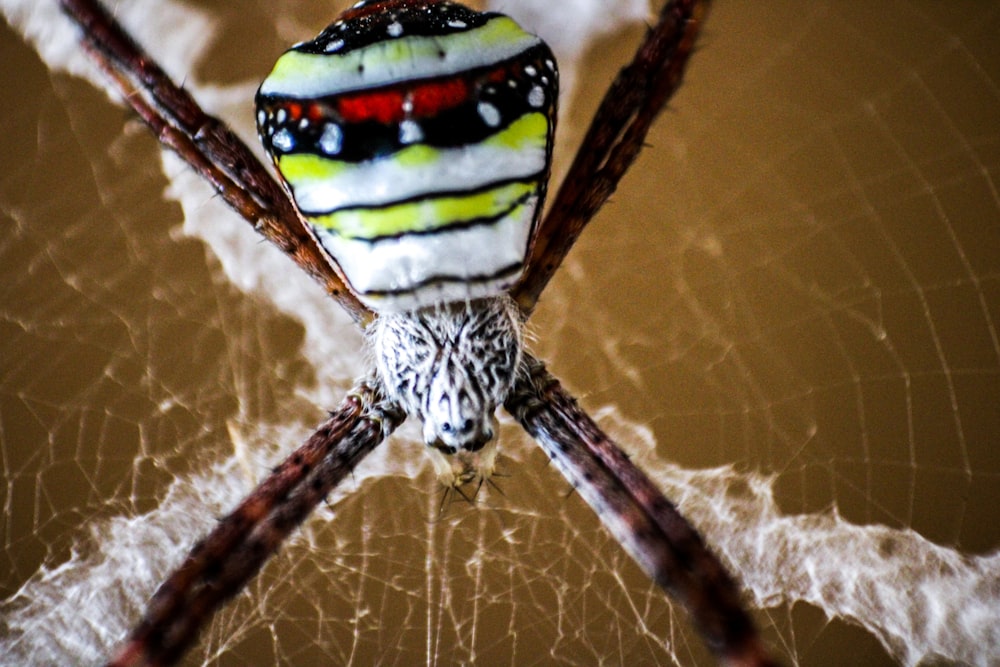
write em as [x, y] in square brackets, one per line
[640, 518]
[222, 564]
[208, 145]
[612, 143]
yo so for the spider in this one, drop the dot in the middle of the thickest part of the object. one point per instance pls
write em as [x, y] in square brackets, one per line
[423, 306]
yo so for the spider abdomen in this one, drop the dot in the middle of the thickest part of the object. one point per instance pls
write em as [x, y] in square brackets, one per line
[415, 138]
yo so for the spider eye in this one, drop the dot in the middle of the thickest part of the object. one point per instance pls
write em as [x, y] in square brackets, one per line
[420, 175]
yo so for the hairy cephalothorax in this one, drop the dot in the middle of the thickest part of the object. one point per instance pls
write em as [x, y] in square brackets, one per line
[451, 365]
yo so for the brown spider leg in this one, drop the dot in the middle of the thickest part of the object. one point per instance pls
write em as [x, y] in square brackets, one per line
[612, 142]
[209, 146]
[636, 513]
[221, 564]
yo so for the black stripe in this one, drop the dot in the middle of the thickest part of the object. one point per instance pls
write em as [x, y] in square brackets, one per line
[532, 179]
[510, 270]
[416, 19]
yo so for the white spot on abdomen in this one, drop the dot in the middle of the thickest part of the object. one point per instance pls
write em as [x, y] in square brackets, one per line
[283, 140]
[489, 113]
[410, 132]
[332, 139]
[536, 97]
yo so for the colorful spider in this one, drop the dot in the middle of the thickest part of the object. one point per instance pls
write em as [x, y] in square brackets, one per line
[323, 116]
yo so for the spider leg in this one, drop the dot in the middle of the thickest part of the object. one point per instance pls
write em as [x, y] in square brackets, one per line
[221, 564]
[612, 142]
[640, 518]
[208, 146]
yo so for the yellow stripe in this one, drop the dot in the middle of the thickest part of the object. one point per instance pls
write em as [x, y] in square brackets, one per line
[424, 215]
[528, 131]
[305, 168]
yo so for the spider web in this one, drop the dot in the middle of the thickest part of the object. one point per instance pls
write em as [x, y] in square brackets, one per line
[787, 315]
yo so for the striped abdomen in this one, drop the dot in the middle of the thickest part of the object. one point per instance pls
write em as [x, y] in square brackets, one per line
[415, 137]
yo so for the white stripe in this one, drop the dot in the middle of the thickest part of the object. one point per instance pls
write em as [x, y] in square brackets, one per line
[401, 263]
[381, 182]
[308, 75]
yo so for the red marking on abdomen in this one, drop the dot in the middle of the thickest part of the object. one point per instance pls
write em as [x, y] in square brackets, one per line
[432, 98]
[428, 98]
[384, 106]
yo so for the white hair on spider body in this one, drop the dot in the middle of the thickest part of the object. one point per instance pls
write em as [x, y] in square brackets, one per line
[452, 365]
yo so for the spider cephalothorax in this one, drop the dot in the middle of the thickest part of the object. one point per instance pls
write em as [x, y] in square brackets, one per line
[452, 365]
[415, 138]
